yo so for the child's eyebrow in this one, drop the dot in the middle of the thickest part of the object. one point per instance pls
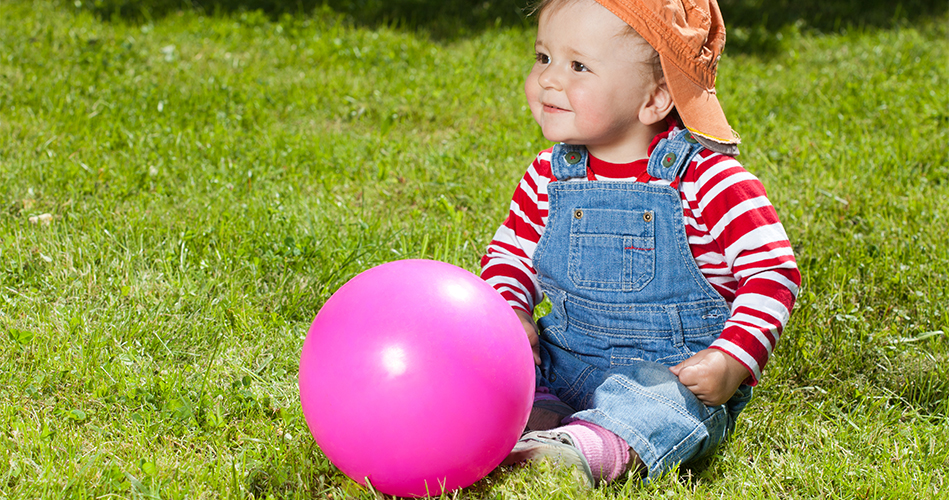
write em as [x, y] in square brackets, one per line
[571, 52]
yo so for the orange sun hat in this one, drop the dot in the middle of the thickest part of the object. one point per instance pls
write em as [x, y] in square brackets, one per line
[689, 36]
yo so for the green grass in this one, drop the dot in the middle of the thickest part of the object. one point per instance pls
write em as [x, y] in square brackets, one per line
[212, 179]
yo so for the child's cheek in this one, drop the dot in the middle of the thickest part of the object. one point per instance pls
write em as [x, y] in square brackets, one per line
[532, 91]
[586, 114]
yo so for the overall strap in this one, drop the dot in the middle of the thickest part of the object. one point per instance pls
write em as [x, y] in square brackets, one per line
[568, 162]
[668, 160]
[672, 156]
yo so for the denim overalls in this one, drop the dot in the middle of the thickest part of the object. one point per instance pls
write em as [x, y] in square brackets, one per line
[627, 302]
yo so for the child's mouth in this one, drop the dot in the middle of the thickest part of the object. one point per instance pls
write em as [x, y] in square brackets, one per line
[550, 108]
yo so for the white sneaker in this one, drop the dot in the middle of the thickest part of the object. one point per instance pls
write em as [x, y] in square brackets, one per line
[555, 446]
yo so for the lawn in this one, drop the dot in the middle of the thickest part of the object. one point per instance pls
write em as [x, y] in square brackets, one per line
[182, 189]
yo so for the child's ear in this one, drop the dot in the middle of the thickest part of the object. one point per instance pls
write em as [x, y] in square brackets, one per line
[658, 106]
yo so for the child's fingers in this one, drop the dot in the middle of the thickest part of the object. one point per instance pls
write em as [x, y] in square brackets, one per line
[530, 328]
[535, 345]
[688, 376]
[688, 362]
[691, 377]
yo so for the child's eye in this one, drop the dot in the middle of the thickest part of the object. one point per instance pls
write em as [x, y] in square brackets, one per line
[542, 58]
[578, 66]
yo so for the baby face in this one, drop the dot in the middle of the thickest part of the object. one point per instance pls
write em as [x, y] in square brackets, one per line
[590, 77]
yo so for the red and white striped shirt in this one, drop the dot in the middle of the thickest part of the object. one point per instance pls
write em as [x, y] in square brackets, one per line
[733, 231]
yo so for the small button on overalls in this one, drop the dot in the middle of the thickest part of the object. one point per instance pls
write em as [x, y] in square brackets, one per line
[627, 302]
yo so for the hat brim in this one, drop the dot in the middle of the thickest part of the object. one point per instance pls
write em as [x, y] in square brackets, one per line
[698, 107]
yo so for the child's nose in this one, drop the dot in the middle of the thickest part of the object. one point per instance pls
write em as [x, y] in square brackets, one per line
[549, 78]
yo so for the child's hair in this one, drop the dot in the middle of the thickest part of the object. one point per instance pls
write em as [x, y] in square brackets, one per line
[538, 7]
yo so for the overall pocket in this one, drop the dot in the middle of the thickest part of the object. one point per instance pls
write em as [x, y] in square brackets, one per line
[612, 249]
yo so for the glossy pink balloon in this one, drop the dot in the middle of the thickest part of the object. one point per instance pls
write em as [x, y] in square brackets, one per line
[416, 376]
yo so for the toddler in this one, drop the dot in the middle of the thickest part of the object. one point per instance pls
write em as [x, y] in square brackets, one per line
[668, 272]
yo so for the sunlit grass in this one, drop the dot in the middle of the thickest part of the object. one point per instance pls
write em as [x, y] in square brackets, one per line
[181, 195]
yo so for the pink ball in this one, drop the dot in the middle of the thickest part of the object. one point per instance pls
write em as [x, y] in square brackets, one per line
[417, 377]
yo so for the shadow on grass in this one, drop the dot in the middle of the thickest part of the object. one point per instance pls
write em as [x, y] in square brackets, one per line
[757, 26]
[755, 23]
[441, 19]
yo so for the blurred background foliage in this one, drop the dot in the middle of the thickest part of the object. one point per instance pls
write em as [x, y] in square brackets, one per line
[754, 25]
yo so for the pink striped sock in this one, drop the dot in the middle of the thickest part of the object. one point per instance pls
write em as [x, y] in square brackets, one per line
[607, 453]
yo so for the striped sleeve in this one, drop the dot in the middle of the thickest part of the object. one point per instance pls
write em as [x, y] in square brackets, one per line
[507, 263]
[742, 248]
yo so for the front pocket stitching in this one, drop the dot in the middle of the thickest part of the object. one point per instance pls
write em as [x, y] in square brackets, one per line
[627, 282]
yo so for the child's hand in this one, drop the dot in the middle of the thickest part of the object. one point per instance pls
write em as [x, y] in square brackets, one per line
[531, 329]
[711, 375]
